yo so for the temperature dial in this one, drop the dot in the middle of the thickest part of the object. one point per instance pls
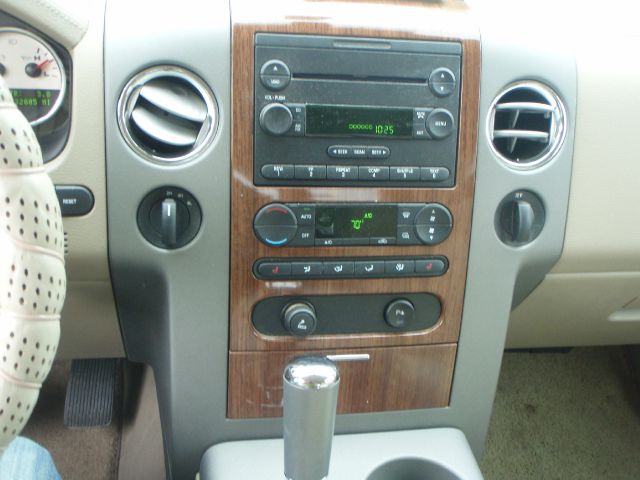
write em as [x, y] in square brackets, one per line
[275, 225]
[33, 72]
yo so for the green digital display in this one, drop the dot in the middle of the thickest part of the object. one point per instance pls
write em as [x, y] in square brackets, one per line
[351, 121]
[359, 221]
[34, 103]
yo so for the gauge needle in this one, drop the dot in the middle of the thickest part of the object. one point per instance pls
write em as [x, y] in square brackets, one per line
[43, 64]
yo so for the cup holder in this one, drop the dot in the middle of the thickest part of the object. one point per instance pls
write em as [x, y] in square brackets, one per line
[412, 469]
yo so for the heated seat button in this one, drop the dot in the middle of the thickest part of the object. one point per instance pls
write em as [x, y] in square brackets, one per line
[274, 269]
[75, 200]
[430, 267]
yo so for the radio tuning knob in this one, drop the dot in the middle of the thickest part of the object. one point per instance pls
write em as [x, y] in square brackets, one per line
[276, 119]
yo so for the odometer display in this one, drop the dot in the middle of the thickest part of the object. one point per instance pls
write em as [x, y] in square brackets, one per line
[348, 121]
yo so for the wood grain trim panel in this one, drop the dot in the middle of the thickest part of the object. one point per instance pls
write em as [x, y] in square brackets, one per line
[445, 21]
[395, 378]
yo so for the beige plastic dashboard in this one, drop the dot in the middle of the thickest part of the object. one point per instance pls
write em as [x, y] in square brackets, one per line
[592, 295]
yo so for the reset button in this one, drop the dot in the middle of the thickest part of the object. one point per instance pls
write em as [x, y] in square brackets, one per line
[75, 200]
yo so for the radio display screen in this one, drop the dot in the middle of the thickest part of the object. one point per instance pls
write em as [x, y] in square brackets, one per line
[356, 221]
[346, 121]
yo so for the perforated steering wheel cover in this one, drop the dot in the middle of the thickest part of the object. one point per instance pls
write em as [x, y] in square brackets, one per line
[32, 275]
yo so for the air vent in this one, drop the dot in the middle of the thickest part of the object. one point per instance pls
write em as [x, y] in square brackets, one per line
[526, 124]
[167, 114]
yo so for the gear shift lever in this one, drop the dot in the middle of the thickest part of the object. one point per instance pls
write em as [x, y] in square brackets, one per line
[310, 399]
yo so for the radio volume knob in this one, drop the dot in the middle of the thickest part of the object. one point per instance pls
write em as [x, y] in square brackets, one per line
[276, 119]
[275, 225]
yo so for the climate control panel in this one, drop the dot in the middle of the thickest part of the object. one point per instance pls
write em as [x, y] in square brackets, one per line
[352, 224]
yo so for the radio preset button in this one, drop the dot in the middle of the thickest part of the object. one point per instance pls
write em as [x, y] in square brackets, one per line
[405, 173]
[373, 173]
[280, 171]
[275, 75]
[434, 174]
[378, 152]
[276, 119]
[335, 172]
[338, 269]
[369, 268]
[310, 172]
[440, 123]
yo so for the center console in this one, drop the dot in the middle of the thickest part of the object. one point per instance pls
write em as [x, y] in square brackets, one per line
[354, 155]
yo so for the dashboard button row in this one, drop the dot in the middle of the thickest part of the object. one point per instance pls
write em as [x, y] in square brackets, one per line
[351, 268]
[352, 151]
[354, 172]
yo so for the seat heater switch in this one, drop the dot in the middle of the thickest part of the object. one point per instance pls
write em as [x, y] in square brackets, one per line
[310, 398]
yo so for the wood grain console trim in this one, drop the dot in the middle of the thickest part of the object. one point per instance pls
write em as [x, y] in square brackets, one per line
[407, 20]
[395, 378]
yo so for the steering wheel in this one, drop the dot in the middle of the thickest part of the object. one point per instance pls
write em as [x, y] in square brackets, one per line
[32, 274]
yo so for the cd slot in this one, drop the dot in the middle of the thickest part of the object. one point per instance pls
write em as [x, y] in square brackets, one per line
[359, 79]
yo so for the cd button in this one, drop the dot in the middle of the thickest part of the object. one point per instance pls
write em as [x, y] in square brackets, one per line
[378, 152]
[405, 173]
[399, 267]
[342, 173]
[338, 269]
[339, 151]
[306, 269]
[310, 172]
[369, 269]
[373, 173]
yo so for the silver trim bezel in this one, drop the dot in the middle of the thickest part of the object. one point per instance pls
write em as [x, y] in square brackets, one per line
[129, 97]
[63, 73]
[557, 132]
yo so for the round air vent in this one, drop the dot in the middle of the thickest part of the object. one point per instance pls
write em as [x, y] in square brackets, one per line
[167, 114]
[526, 124]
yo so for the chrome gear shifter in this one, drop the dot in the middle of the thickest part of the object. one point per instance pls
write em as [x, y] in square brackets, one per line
[310, 399]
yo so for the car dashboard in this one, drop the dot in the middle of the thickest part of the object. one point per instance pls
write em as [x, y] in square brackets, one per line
[407, 187]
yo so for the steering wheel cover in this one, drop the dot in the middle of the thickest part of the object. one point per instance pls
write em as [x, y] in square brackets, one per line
[32, 274]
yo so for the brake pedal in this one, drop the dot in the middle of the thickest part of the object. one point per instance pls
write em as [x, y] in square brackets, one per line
[91, 391]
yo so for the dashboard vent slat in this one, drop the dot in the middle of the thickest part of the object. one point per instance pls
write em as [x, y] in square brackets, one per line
[526, 124]
[167, 114]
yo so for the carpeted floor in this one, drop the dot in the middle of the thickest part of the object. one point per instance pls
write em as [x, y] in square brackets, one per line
[565, 416]
[80, 454]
